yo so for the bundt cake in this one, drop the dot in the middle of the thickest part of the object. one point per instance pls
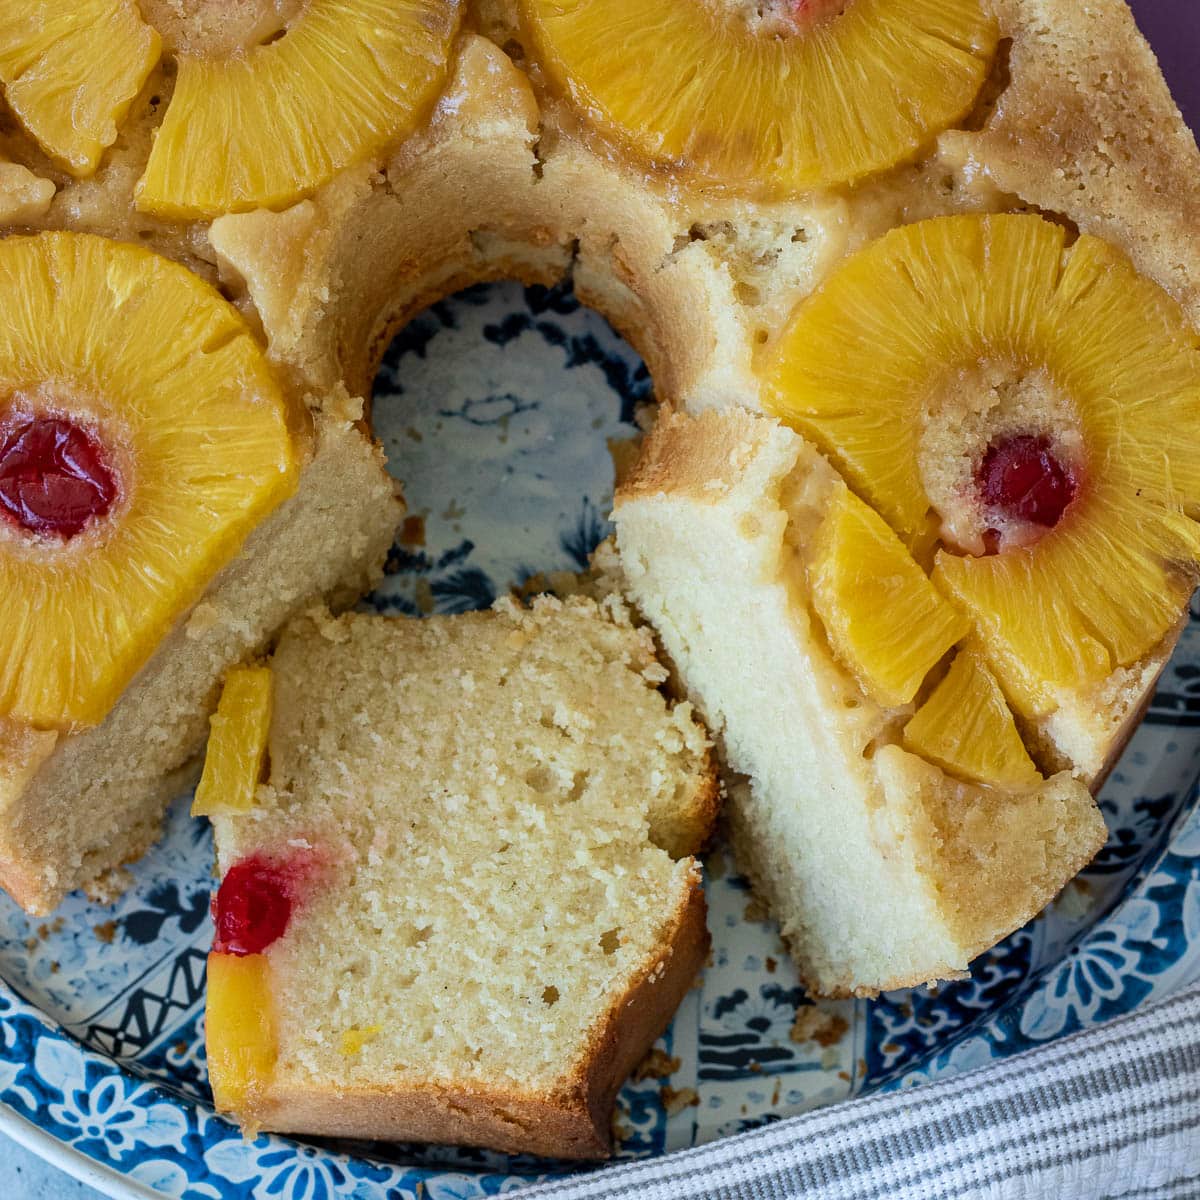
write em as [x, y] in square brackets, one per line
[934, 265]
[453, 929]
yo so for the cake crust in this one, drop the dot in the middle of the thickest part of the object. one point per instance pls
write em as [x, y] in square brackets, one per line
[1086, 127]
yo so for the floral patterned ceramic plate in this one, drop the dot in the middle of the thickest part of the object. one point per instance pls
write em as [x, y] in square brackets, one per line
[496, 408]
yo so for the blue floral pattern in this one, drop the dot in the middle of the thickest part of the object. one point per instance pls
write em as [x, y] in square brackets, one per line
[496, 407]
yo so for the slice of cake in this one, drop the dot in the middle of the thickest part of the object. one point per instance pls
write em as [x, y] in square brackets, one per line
[890, 850]
[462, 904]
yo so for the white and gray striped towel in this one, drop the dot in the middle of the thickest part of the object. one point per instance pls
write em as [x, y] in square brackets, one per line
[1111, 1112]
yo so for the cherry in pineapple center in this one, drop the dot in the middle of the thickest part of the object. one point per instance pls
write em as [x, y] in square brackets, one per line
[55, 475]
[1020, 478]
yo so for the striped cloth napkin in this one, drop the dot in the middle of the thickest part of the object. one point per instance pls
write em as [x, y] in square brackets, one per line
[1107, 1113]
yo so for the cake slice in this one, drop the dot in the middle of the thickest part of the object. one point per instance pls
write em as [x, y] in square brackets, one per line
[890, 851]
[462, 904]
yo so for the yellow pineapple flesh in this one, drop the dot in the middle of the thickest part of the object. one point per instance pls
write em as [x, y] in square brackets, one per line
[884, 619]
[237, 744]
[861, 358]
[71, 69]
[167, 378]
[692, 85]
[264, 128]
[239, 1030]
[966, 728]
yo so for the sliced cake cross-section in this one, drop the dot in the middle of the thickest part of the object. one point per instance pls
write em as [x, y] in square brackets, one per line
[462, 903]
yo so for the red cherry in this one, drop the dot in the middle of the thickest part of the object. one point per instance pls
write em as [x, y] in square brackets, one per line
[253, 905]
[53, 476]
[1020, 479]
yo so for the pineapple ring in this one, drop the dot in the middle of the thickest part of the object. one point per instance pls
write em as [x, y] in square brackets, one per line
[370, 70]
[861, 357]
[191, 414]
[695, 87]
[69, 98]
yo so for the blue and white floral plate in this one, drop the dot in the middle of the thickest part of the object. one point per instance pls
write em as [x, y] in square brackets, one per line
[496, 408]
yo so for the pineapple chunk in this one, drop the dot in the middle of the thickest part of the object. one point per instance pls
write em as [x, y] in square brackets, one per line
[885, 620]
[966, 728]
[239, 1030]
[689, 85]
[71, 69]
[862, 356]
[24, 196]
[263, 129]
[353, 1040]
[168, 373]
[237, 744]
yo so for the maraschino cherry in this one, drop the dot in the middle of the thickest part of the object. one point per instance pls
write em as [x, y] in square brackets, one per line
[254, 904]
[1020, 479]
[53, 475]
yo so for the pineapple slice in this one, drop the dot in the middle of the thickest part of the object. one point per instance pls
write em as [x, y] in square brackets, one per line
[263, 129]
[857, 367]
[237, 744]
[885, 620]
[690, 83]
[181, 446]
[71, 69]
[966, 728]
[239, 1030]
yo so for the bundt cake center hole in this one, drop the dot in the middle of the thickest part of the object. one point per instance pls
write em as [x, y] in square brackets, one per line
[56, 476]
[1001, 456]
[506, 411]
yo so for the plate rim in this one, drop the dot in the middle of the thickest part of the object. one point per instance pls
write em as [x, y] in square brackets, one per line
[79, 1166]
[103, 1170]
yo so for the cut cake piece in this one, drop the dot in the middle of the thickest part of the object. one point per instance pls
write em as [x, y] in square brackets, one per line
[474, 842]
[76, 806]
[883, 869]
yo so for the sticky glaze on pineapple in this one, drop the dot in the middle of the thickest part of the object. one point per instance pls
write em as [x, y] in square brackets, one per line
[1100, 588]
[176, 373]
[55, 476]
[777, 115]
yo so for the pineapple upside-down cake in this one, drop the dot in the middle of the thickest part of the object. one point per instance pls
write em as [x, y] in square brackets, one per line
[918, 282]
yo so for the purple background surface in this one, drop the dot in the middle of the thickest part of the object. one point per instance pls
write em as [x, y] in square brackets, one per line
[1173, 29]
